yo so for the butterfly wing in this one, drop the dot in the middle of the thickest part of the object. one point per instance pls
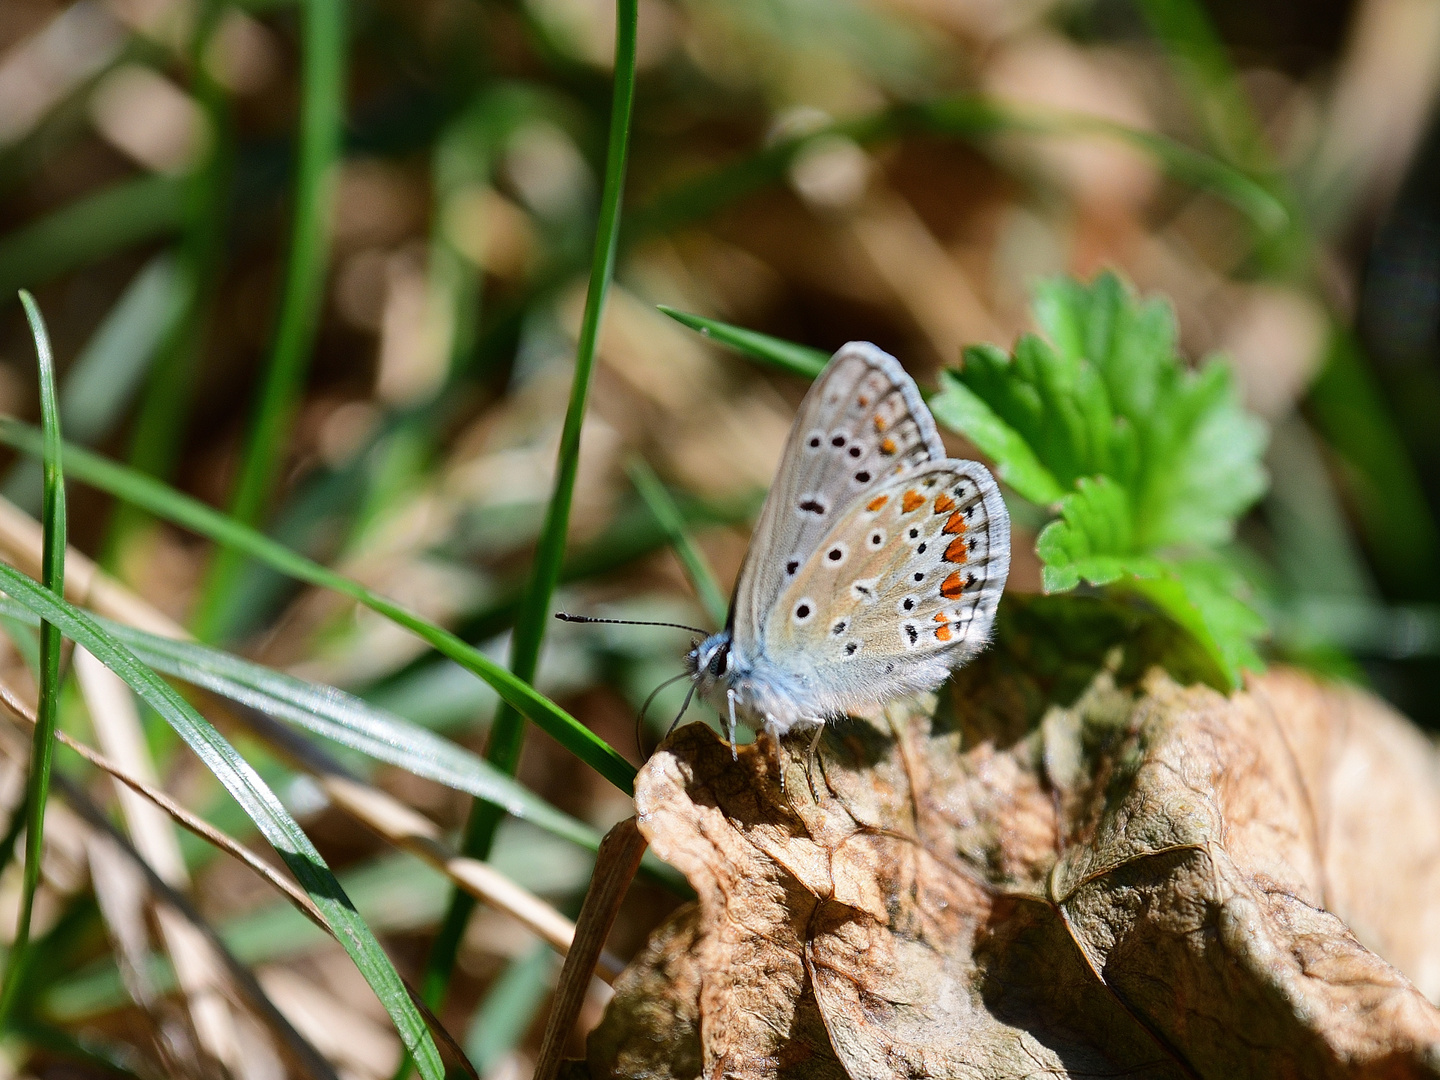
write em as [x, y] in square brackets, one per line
[902, 588]
[862, 419]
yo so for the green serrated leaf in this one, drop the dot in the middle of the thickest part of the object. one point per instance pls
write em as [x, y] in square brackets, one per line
[1203, 596]
[1092, 541]
[958, 408]
[1105, 393]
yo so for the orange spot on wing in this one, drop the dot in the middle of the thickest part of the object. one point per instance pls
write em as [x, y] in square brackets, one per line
[912, 500]
[887, 446]
[881, 425]
[956, 524]
[952, 586]
[944, 504]
[942, 633]
[956, 551]
[862, 401]
[940, 616]
[877, 502]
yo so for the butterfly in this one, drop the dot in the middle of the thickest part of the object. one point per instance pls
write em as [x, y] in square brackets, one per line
[875, 568]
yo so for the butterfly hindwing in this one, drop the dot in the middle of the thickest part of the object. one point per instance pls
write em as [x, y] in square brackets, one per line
[862, 420]
[902, 588]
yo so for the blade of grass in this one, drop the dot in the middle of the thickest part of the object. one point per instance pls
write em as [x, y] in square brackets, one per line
[166, 503]
[89, 229]
[967, 117]
[254, 795]
[352, 722]
[673, 522]
[507, 732]
[97, 389]
[784, 355]
[115, 720]
[1395, 519]
[42, 753]
[303, 1056]
[1200, 60]
[321, 123]
[178, 813]
[509, 1007]
[321, 709]
[159, 424]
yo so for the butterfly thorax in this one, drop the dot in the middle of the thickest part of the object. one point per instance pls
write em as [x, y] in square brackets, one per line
[764, 695]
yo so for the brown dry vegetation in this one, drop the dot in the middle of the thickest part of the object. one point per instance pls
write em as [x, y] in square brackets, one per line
[1282, 880]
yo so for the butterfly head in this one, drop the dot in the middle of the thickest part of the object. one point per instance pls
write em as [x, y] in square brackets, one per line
[710, 662]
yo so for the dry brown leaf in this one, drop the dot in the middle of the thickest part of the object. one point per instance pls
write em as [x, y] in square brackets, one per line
[1156, 881]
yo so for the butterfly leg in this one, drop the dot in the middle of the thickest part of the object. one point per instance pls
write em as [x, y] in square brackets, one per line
[777, 750]
[730, 727]
[810, 759]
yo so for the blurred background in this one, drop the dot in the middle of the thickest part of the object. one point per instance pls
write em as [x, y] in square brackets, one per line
[898, 171]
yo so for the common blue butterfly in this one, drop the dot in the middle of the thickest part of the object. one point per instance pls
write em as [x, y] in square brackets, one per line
[876, 566]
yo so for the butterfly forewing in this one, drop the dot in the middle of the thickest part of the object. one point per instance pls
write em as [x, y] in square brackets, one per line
[903, 586]
[862, 420]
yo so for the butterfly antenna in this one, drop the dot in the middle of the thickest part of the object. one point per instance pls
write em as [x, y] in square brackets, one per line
[565, 616]
[640, 717]
[683, 709]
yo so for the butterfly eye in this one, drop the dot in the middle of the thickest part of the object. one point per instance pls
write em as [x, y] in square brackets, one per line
[721, 662]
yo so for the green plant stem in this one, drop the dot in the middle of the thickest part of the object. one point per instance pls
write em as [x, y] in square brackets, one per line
[783, 355]
[160, 422]
[507, 732]
[164, 502]
[90, 228]
[663, 507]
[321, 123]
[42, 752]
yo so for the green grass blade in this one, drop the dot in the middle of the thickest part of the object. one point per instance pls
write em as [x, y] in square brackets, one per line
[42, 752]
[158, 428]
[785, 355]
[509, 1007]
[252, 793]
[507, 732]
[673, 522]
[352, 722]
[965, 117]
[1210, 80]
[340, 717]
[321, 125]
[164, 502]
[90, 228]
[100, 384]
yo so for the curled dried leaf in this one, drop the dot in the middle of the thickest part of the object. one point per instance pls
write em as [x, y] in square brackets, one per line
[1157, 880]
